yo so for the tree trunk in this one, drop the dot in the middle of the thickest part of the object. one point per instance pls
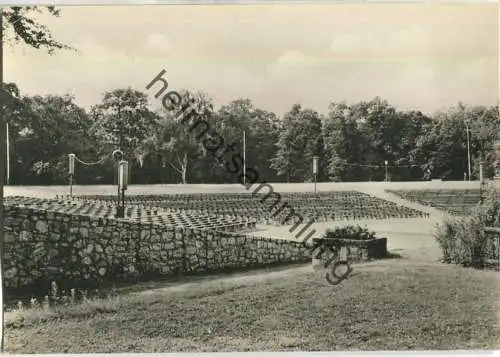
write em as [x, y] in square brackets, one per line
[184, 169]
[184, 181]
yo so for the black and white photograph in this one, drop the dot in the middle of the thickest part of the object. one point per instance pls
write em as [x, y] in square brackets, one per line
[250, 177]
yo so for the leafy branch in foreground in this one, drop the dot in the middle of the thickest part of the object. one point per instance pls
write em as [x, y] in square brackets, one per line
[28, 30]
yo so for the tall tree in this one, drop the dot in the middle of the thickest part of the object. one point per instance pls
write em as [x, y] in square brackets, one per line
[123, 121]
[52, 126]
[444, 147]
[11, 110]
[261, 134]
[415, 125]
[483, 124]
[380, 125]
[344, 144]
[299, 141]
[443, 150]
[262, 143]
[172, 143]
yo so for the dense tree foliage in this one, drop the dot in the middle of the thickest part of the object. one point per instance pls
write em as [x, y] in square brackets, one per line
[35, 123]
[299, 140]
[352, 141]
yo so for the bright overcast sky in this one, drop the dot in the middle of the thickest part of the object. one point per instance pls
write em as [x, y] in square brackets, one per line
[416, 56]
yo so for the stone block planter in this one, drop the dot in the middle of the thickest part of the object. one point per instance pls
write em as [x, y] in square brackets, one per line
[351, 250]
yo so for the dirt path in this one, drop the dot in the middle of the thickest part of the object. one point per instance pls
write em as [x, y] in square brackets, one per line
[410, 237]
[52, 191]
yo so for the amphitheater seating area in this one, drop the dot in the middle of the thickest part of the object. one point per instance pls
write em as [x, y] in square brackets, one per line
[324, 206]
[455, 202]
[137, 213]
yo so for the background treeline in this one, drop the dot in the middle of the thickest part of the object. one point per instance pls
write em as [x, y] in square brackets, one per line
[353, 141]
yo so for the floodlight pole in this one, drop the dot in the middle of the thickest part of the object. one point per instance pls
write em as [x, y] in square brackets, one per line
[71, 172]
[244, 158]
[386, 171]
[7, 149]
[468, 148]
[315, 171]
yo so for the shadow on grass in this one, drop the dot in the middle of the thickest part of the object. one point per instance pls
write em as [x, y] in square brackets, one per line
[166, 281]
[392, 255]
[388, 256]
[159, 281]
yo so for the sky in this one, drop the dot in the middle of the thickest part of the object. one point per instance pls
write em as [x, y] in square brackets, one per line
[416, 56]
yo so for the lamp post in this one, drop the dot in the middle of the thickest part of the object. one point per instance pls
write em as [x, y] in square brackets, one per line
[386, 171]
[122, 186]
[244, 158]
[71, 172]
[120, 209]
[7, 149]
[315, 170]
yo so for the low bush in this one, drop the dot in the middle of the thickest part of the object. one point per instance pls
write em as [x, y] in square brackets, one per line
[56, 297]
[350, 232]
[463, 241]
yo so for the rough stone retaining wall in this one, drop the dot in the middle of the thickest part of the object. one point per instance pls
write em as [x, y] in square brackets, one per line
[43, 246]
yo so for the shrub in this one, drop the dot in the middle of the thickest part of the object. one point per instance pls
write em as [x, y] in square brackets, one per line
[443, 235]
[350, 232]
[463, 241]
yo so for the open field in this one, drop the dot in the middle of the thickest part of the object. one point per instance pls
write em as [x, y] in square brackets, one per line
[387, 305]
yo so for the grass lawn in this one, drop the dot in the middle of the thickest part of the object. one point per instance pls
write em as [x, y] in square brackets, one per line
[386, 305]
